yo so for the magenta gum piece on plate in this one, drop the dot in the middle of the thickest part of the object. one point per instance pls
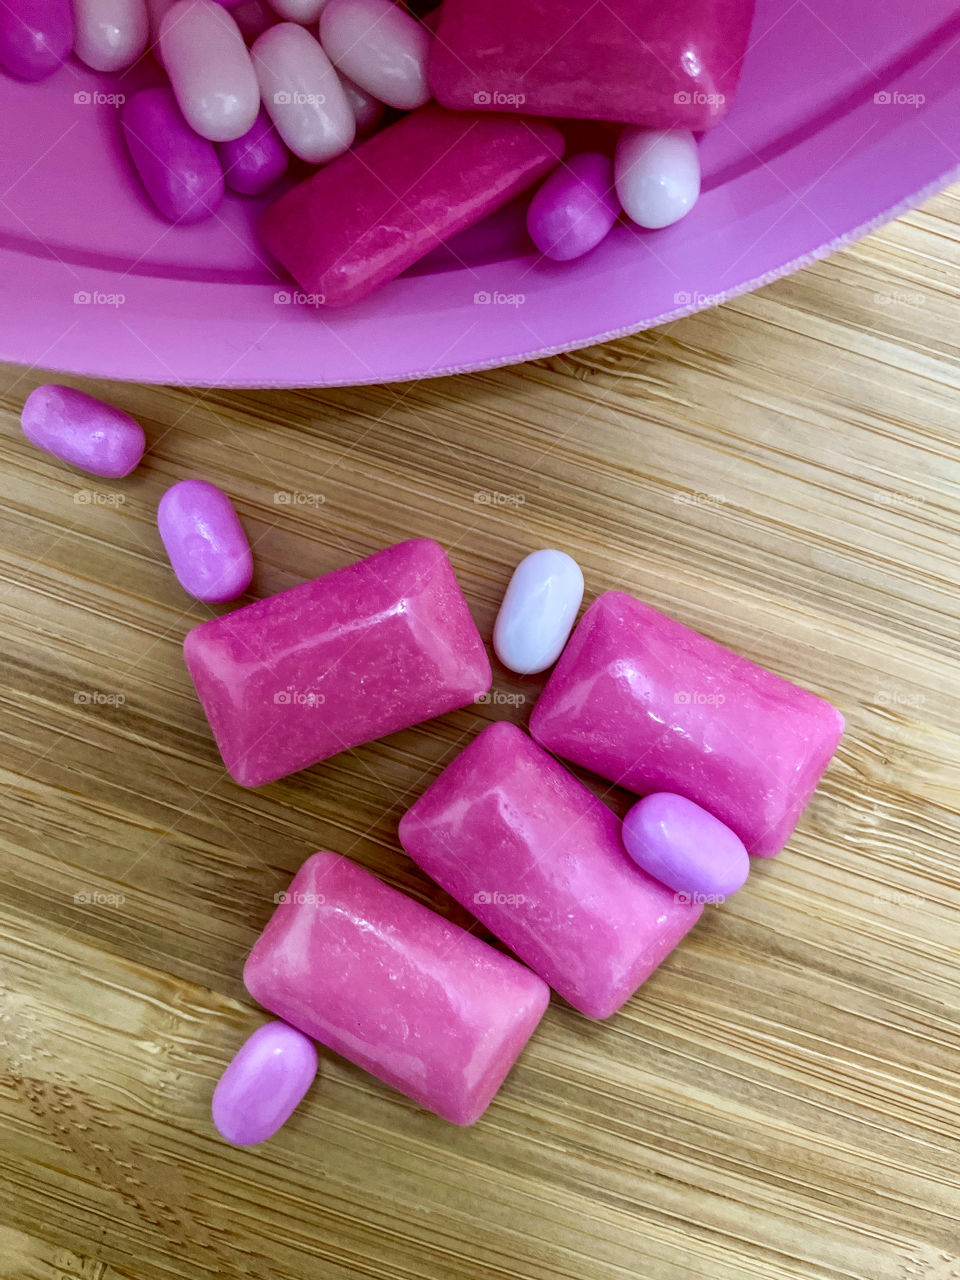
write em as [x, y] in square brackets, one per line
[264, 1084]
[683, 846]
[210, 69]
[653, 706]
[180, 170]
[205, 541]
[83, 431]
[650, 62]
[254, 163]
[36, 37]
[381, 47]
[416, 1001]
[344, 232]
[575, 208]
[538, 859]
[349, 657]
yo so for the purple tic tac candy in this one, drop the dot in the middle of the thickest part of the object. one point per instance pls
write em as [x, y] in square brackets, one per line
[36, 37]
[205, 541]
[253, 163]
[180, 170]
[83, 431]
[685, 847]
[264, 1084]
[575, 208]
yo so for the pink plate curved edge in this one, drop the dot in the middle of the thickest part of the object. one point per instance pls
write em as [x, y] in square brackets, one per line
[806, 163]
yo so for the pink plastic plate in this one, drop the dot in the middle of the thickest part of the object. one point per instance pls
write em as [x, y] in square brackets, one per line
[848, 115]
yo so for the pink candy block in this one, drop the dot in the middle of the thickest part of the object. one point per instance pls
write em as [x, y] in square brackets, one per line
[660, 63]
[349, 657]
[418, 1002]
[375, 211]
[514, 837]
[653, 706]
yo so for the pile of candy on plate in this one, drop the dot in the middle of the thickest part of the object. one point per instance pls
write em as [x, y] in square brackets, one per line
[724, 753]
[421, 125]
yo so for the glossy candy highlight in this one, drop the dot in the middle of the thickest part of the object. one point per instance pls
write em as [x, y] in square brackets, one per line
[575, 208]
[521, 843]
[180, 170]
[110, 34]
[210, 70]
[645, 62]
[380, 47]
[538, 611]
[302, 93]
[420, 1003]
[205, 541]
[264, 1084]
[83, 431]
[657, 175]
[36, 37]
[364, 651]
[680, 844]
[346, 231]
[653, 706]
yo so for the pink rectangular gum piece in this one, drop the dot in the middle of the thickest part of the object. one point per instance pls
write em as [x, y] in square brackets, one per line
[359, 653]
[363, 219]
[418, 1002]
[521, 843]
[653, 706]
[648, 62]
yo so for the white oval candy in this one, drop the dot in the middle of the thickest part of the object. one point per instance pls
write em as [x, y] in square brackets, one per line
[302, 93]
[538, 611]
[657, 175]
[210, 70]
[381, 47]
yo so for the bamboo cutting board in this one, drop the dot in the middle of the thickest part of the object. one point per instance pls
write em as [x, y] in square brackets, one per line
[781, 1099]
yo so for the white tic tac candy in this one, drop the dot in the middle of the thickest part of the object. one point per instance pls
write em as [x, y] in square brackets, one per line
[538, 611]
[657, 175]
[111, 34]
[302, 93]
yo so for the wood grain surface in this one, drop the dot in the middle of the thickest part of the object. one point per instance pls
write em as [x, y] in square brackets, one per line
[781, 1099]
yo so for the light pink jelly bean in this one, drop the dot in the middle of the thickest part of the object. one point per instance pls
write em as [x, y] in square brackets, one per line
[380, 47]
[302, 93]
[205, 541]
[210, 69]
[367, 111]
[83, 431]
[264, 1084]
[111, 34]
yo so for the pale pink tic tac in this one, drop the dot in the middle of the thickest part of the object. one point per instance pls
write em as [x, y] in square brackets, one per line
[264, 1084]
